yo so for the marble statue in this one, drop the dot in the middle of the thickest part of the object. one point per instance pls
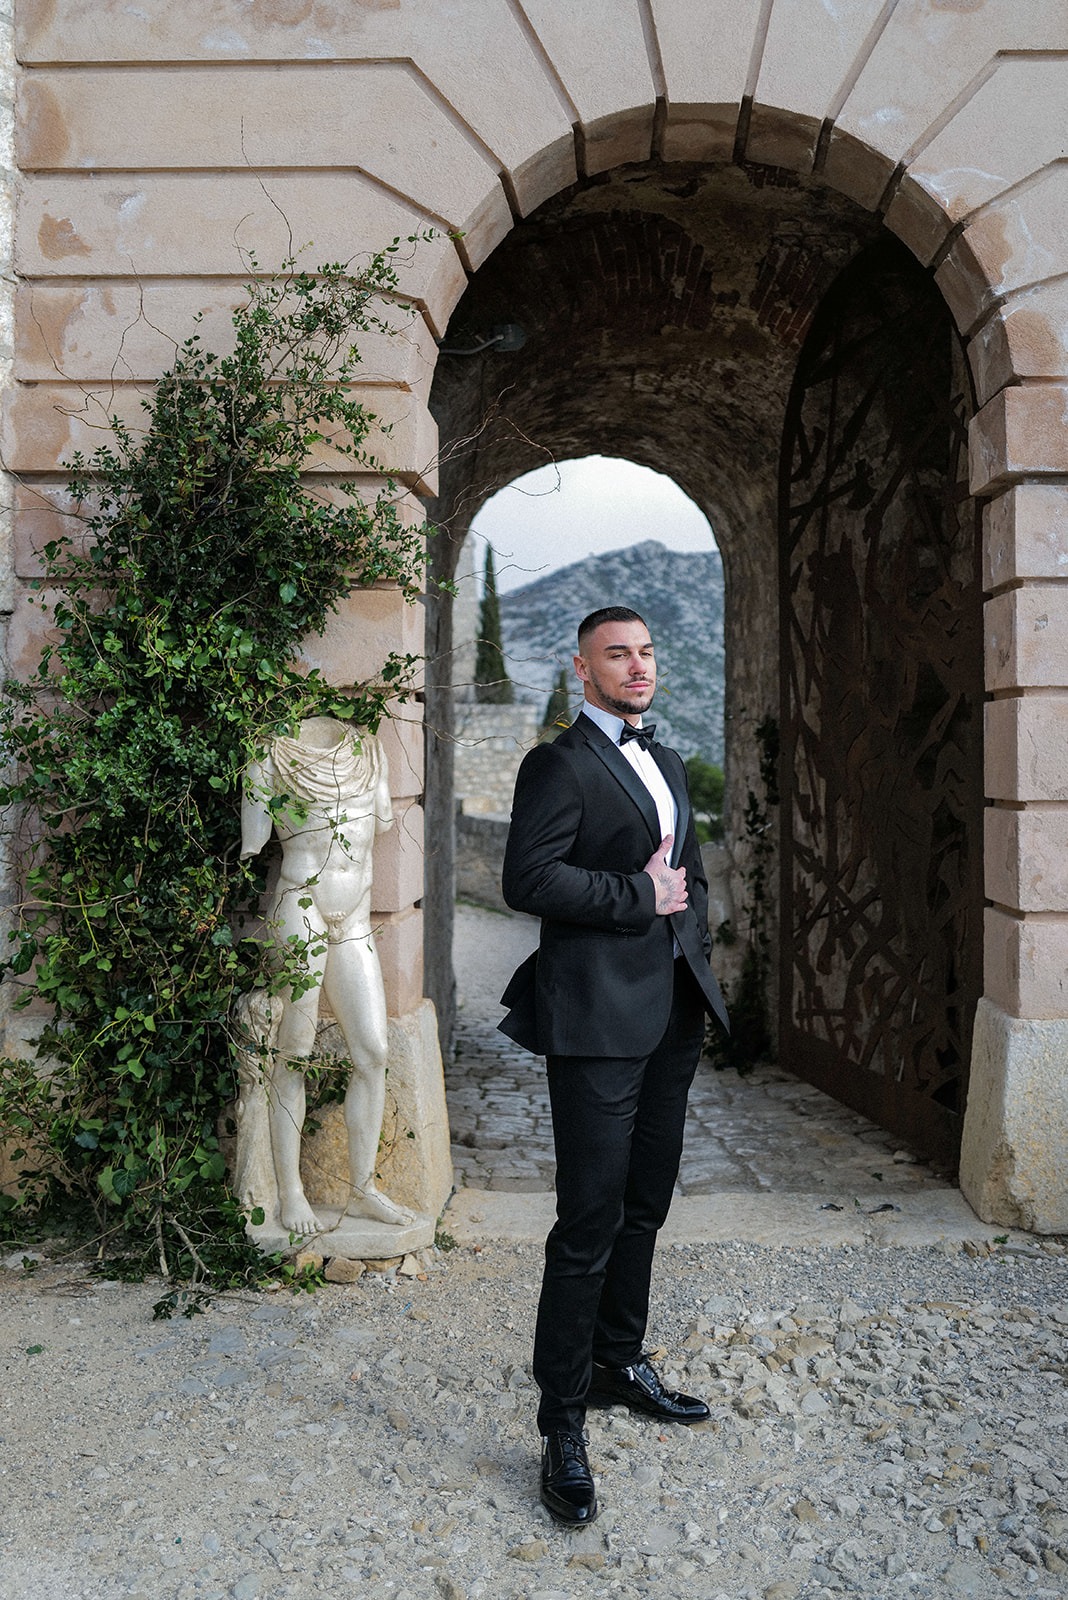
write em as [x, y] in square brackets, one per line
[326, 795]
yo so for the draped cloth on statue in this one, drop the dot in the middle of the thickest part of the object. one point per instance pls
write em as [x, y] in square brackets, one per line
[336, 774]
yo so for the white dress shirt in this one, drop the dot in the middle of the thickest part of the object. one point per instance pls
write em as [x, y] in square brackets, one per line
[644, 765]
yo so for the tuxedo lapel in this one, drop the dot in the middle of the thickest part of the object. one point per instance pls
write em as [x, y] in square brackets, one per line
[623, 772]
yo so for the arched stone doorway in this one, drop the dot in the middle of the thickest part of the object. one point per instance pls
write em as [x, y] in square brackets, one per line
[681, 294]
[684, 295]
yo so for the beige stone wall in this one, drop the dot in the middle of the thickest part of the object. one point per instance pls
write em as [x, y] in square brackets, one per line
[8, 70]
[7, 486]
[465, 614]
[158, 142]
[480, 847]
[491, 741]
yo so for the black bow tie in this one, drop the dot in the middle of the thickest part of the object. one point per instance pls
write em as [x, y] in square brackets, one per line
[643, 735]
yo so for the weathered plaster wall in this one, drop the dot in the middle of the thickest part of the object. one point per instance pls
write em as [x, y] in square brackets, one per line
[156, 141]
[8, 72]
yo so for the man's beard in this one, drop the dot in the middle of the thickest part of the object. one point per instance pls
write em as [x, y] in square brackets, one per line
[627, 708]
[622, 708]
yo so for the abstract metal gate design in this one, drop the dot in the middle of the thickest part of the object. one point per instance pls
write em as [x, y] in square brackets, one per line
[882, 694]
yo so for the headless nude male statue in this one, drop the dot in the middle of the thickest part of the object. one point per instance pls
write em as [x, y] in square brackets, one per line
[336, 788]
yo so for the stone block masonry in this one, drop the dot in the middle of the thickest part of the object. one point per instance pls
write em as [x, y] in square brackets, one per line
[480, 844]
[158, 145]
[491, 741]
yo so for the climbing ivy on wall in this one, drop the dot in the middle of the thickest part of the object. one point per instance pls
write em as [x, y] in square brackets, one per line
[203, 553]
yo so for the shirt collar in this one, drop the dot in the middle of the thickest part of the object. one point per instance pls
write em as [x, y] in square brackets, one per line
[607, 721]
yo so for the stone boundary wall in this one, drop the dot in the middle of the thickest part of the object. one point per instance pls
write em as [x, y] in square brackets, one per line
[491, 741]
[480, 843]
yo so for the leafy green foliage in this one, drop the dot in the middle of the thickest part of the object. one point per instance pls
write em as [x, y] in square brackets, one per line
[207, 551]
[705, 782]
[558, 708]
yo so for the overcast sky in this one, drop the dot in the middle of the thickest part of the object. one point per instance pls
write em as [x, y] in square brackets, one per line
[563, 513]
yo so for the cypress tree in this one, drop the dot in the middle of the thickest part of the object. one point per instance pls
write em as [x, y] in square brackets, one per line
[558, 711]
[493, 686]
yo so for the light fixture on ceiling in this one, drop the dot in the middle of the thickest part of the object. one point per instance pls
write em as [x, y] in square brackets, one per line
[505, 337]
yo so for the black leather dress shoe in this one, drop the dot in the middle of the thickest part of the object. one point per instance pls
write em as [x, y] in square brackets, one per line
[566, 1480]
[639, 1387]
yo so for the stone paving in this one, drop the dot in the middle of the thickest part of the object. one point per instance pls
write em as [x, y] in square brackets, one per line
[498, 1113]
[765, 1132]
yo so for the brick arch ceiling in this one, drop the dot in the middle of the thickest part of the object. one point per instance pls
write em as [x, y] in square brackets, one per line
[664, 307]
[943, 118]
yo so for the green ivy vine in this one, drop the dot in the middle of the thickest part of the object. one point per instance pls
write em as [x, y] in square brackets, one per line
[204, 552]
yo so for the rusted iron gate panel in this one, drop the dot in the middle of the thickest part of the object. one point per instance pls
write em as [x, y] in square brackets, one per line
[882, 692]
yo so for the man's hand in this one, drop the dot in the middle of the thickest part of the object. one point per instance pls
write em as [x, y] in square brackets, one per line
[670, 882]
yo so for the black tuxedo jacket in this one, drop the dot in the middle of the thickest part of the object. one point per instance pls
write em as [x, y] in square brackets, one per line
[583, 827]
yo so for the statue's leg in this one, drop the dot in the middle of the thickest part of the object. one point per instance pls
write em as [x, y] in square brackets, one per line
[256, 1018]
[295, 1045]
[353, 987]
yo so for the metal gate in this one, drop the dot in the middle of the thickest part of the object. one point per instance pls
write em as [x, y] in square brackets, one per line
[882, 694]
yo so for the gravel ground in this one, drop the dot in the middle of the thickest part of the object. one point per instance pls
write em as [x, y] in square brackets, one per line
[886, 1422]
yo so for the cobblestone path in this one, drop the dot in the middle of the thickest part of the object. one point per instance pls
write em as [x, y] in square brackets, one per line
[766, 1132]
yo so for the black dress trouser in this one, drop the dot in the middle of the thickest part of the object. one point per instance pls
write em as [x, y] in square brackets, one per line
[618, 1126]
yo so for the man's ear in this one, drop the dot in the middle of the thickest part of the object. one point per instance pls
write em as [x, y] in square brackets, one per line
[581, 668]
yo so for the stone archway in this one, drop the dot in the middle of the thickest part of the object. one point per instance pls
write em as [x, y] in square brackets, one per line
[681, 294]
[1009, 1174]
[607, 249]
[149, 141]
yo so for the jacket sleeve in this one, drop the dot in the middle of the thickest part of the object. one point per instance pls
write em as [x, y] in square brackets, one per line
[540, 876]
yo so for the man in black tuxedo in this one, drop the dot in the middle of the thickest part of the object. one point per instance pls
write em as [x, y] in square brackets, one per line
[602, 847]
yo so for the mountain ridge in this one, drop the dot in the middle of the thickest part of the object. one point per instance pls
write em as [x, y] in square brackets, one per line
[681, 596]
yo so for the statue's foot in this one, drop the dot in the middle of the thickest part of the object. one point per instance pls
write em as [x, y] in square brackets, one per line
[370, 1205]
[297, 1216]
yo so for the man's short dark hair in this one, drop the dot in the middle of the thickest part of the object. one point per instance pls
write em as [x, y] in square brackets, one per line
[606, 614]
